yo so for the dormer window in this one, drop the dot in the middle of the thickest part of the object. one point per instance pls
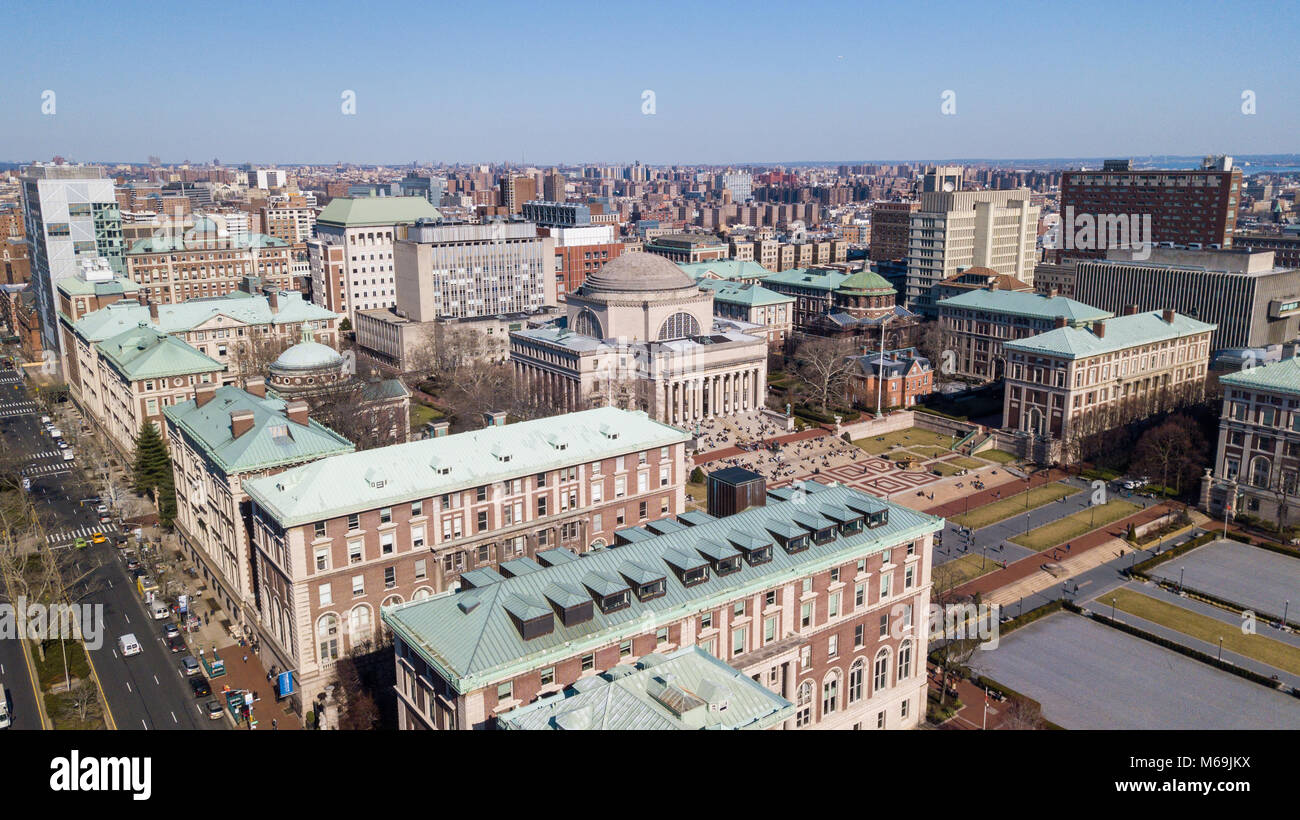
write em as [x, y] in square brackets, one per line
[695, 576]
[653, 589]
[824, 535]
[728, 565]
[851, 527]
[797, 544]
[614, 602]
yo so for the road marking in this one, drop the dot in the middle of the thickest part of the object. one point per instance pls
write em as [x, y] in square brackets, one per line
[126, 617]
[145, 725]
[174, 720]
[128, 686]
[155, 681]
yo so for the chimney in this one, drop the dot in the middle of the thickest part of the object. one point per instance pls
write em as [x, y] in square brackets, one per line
[1168, 316]
[153, 311]
[993, 283]
[142, 296]
[273, 299]
[1100, 329]
[204, 393]
[494, 418]
[1052, 293]
[241, 421]
[256, 385]
[297, 411]
[1061, 322]
[438, 429]
[1129, 310]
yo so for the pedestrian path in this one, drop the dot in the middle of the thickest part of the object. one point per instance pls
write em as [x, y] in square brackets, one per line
[47, 469]
[48, 454]
[68, 536]
[17, 408]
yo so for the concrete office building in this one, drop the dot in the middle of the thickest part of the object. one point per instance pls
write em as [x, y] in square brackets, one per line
[71, 213]
[1254, 302]
[964, 229]
[821, 599]
[335, 540]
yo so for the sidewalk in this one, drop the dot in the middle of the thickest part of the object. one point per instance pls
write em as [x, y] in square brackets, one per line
[728, 452]
[1031, 564]
[971, 715]
[249, 674]
[991, 494]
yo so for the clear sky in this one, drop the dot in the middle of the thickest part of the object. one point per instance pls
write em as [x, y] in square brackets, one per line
[564, 81]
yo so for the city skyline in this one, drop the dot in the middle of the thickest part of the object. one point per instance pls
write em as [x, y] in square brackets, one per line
[883, 95]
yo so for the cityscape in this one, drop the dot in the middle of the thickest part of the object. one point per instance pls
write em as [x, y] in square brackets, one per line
[463, 409]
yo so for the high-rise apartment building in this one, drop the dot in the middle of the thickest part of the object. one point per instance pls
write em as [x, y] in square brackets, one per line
[890, 225]
[71, 213]
[554, 187]
[963, 229]
[1184, 207]
[462, 271]
[740, 183]
[515, 191]
[207, 260]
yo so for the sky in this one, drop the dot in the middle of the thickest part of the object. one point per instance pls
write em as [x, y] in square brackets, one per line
[567, 82]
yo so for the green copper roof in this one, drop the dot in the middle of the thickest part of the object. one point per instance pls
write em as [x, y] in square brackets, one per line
[724, 269]
[750, 295]
[866, 281]
[418, 469]
[273, 440]
[808, 278]
[176, 318]
[1280, 377]
[76, 286]
[472, 639]
[1121, 332]
[376, 210]
[145, 353]
[675, 691]
[1023, 303]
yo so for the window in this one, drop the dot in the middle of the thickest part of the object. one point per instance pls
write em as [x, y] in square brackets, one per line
[624, 649]
[833, 606]
[909, 577]
[885, 580]
[386, 515]
[884, 626]
[386, 544]
[830, 694]
[326, 596]
[859, 636]
[706, 621]
[548, 676]
[769, 629]
[322, 559]
[354, 522]
[484, 554]
[859, 595]
[358, 585]
[769, 598]
[505, 691]
[661, 635]
[354, 552]
[482, 520]
[541, 507]
[320, 529]
[644, 510]
[902, 708]
[803, 714]
[855, 681]
[417, 509]
[739, 609]
[420, 572]
[327, 630]
[833, 647]
[807, 587]
[417, 537]
[588, 662]
[738, 637]
[881, 676]
[805, 615]
[835, 574]
[880, 720]
[480, 493]
[905, 660]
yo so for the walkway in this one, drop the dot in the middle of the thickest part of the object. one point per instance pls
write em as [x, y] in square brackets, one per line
[991, 494]
[728, 452]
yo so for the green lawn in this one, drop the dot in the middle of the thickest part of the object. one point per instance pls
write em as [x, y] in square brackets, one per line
[1072, 526]
[1000, 456]
[1202, 627]
[944, 468]
[967, 567]
[1012, 505]
[422, 414]
[966, 463]
[929, 452]
[911, 437]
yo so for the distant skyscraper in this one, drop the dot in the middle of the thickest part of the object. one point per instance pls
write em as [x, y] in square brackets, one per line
[516, 190]
[553, 187]
[941, 178]
[740, 183]
[71, 214]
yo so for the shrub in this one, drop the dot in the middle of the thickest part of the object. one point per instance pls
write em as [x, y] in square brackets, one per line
[697, 475]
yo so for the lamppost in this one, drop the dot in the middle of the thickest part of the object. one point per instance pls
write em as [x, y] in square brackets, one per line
[1286, 607]
[880, 368]
[1112, 609]
[1181, 570]
[1220, 647]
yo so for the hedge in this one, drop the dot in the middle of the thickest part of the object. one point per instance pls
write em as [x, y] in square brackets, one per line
[1232, 606]
[1194, 654]
[1140, 569]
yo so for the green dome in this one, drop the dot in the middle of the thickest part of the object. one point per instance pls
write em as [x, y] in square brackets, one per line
[866, 281]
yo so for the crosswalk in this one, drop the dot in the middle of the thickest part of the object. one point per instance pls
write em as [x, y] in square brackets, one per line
[10, 377]
[47, 469]
[68, 537]
[47, 454]
[17, 408]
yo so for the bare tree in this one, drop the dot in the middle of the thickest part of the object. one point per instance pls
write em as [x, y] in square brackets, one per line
[254, 354]
[1022, 714]
[950, 651]
[824, 367]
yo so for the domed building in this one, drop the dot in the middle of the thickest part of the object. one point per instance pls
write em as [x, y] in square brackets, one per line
[369, 412]
[860, 304]
[641, 334]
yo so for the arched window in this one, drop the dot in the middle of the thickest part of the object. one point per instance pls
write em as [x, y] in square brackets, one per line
[421, 593]
[586, 323]
[880, 678]
[392, 600]
[831, 693]
[803, 713]
[327, 632]
[679, 326]
[856, 674]
[905, 660]
[359, 625]
[1259, 471]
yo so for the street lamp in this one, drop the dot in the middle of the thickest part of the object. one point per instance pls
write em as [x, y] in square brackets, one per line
[1220, 647]
[1286, 606]
[1181, 570]
[1112, 609]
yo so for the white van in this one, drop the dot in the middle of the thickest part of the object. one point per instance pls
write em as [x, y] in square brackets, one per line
[68, 455]
[129, 645]
[4, 707]
[159, 609]
[56, 433]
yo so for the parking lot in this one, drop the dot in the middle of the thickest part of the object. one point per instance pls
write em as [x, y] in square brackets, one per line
[1252, 577]
[1090, 676]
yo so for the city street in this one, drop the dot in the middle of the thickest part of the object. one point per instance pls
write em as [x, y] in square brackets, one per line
[145, 691]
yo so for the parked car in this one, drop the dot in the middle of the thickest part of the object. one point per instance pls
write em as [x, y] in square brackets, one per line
[4, 707]
[190, 666]
[132, 564]
[214, 709]
[63, 445]
[102, 509]
[200, 687]
[170, 629]
[176, 643]
[45, 419]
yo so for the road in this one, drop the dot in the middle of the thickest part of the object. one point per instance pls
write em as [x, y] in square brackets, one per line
[144, 691]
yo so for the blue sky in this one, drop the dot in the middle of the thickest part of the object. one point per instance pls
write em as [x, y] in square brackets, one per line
[563, 81]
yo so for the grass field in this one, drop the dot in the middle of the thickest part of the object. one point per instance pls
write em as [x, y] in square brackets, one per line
[1000, 456]
[1072, 526]
[422, 414]
[966, 463]
[1202, 627]
[911, 437]
[943, 468]
[1007, 507]
[967, 567]
[929, 452]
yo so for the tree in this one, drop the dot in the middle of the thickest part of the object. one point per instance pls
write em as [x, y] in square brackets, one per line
[824, 367]
[933, 342]
[1163, 448]
[697, 476]
[951, 652]
[254, 354]
[153, 472]
[345, 326]
[1022, 714]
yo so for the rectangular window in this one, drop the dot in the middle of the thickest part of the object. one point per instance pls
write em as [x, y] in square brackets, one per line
[884, 626]
[390, 577]
[386, 543]
[420, 572]
[386, 515]
[588, 662]
[548, 676]
[322, 559]
[769, 629]
[320, 529]
[417, 509]
[354, 522]
[624, 649]
[326, 595]
[884, 584]
[661, 636]
[909, 577]
[859, 595]
[482, 520]
[358, 585]
[833, 607]
[354, 552]
[505, 691]
[833, 647]
[805, 615]
[859, 636]
[738, 641]
[739, 609]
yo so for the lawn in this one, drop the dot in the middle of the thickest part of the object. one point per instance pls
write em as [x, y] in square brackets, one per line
[929, 452]
[968, 567]
[1007, 507]
[966, 463]
[943, 468]
[422, 414]
[1000, 456]
[911, 437]
[1072, 526]
[1202, 627]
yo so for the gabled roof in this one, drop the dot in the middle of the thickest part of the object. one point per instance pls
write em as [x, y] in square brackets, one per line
[808, 278]
[748, 295]
[475, 647]
[337, 486]
[724, 270]
[1121, 332]
[273, 440]
[1021, 303]
[351, 212]
[145, 353]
